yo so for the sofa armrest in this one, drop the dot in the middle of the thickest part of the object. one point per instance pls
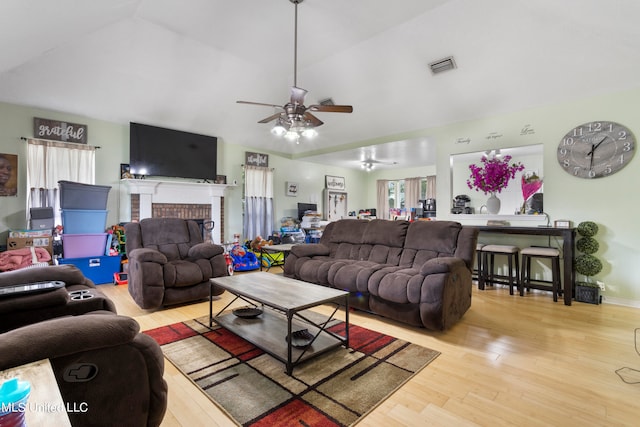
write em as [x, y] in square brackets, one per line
[147, 255]
[442, 265]
[51, 298]
[205, 250]
[68, 273]
[309, 250]
[64, 336]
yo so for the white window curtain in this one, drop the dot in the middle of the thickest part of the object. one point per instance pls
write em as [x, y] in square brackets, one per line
[411, 192]
[431, 187]
[258, 194]
[382, 205]
[49, 162]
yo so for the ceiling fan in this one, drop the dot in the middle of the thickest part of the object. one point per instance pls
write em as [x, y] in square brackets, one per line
[294, 118]
[370, 164]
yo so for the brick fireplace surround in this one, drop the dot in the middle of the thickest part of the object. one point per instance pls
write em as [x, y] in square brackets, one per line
[177, 199]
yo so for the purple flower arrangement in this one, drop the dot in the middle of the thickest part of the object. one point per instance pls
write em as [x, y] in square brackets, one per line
[493, 175]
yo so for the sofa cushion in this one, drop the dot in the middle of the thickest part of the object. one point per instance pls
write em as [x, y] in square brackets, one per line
[386, 233]
[182, 273]
[171, 236]
[348, 231]
[436, 236]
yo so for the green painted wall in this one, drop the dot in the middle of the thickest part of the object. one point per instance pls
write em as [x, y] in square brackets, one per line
[611, 202]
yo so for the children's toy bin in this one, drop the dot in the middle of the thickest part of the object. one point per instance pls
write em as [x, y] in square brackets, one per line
[99, 269]
[75, 195]
[84, 245]
[83, 221]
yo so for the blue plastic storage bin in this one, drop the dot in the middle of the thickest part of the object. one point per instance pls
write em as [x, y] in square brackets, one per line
[84, 221]
[98, 269]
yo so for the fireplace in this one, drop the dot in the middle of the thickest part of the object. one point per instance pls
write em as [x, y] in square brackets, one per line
[177, 199]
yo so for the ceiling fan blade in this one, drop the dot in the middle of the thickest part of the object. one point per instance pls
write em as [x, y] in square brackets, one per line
[270, 118]
[312, 119]
[332, 108]
[297, 95]
[261, 103]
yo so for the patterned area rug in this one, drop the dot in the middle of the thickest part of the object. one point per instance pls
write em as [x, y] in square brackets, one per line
[337, 388]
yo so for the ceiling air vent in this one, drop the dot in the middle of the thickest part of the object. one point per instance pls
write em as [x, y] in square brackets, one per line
[442, 65]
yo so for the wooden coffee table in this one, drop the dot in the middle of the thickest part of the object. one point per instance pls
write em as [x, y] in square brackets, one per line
[282, 301]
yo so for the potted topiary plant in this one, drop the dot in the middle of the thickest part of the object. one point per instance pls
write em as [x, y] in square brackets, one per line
[587, 264]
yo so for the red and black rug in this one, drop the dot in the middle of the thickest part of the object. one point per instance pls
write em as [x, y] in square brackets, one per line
[335, 389]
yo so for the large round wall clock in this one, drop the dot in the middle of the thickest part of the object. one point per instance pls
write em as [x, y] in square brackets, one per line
[596, 149]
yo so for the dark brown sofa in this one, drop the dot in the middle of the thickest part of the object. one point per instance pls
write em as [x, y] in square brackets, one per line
[169, 263]
[100, 359]
[418, 273]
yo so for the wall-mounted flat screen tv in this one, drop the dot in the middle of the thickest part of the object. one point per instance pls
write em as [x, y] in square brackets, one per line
[156, 151]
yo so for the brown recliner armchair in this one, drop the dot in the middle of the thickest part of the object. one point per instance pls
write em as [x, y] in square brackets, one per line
[169, 263]
[100, 361]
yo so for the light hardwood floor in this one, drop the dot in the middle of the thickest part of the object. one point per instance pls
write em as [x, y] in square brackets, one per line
[512, 360]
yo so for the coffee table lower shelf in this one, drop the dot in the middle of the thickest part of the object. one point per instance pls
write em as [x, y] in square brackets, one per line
[269, 330]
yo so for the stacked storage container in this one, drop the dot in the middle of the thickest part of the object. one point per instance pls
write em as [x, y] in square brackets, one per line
[84, 220]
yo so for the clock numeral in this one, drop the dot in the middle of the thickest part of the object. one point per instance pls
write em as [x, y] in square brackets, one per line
[566, 163]
[622, 159]
[576, 170]
[591, 173]
[568, 141]
[626, 146]
[610, 127]
[563, 151]
[593, 127]
[622, 135]
[577, 132]
[607, 170]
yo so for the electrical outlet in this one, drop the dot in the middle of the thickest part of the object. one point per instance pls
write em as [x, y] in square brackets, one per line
[601, 284]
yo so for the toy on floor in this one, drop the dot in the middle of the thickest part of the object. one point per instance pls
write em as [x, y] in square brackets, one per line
[259, 242]
[243, 260]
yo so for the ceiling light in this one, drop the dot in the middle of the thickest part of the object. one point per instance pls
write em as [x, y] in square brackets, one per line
[278, 129]
[368, 166]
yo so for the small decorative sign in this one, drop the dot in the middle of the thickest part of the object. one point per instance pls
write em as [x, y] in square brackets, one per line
[292, 188]
[334, 182]
[256, 159]
[59, 131]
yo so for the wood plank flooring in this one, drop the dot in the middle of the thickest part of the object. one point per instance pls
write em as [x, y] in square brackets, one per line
[512, 360]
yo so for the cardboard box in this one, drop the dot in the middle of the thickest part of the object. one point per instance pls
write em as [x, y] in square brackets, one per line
[25, 242]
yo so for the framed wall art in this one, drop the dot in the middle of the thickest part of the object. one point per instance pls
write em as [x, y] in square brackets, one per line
[334, 182]
[8, 174]
[291, 188]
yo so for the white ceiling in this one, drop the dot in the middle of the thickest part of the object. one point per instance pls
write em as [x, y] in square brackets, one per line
[182, 64]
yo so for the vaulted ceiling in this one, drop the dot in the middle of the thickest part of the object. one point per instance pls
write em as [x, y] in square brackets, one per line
[182, 64]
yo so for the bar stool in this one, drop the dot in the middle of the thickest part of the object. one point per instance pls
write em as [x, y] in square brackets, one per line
[477, 272]
[488, 274]
[544, 253]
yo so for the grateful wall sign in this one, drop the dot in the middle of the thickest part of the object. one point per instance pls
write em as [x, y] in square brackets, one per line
[57, 130]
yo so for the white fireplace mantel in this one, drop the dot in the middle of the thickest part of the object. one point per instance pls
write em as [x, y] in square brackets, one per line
[157, 191]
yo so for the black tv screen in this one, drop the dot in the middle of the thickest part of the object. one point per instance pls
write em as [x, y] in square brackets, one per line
[156, 151]
[303, 207]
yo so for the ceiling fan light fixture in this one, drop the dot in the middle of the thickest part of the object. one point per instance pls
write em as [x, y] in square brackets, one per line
[278, 129]
[309, 133]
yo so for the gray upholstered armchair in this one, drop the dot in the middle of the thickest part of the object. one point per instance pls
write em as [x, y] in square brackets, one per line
[169, 263]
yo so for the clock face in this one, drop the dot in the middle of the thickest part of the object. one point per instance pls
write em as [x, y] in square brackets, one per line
[596, 149]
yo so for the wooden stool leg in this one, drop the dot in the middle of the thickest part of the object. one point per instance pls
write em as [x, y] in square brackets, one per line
[480, 271]
[517, 276]
[555, 273]
[510, 266]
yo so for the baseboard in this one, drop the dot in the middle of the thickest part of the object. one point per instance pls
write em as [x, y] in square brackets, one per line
[620, 301]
